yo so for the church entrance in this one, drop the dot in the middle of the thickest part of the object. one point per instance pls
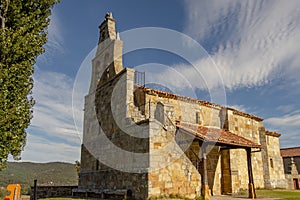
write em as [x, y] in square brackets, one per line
[296, 184]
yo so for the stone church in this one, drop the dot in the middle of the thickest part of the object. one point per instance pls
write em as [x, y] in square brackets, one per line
[141, 142]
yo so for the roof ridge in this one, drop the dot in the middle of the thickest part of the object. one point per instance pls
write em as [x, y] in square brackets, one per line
[169, 95]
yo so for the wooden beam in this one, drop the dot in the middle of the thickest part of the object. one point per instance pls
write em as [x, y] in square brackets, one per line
[251, 188]
[205, 189]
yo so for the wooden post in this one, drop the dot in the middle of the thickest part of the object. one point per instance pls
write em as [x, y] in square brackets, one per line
[251, 188]
[204, 185]
[35, 189]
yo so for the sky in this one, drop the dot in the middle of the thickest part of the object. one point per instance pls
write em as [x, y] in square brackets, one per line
[253, 44]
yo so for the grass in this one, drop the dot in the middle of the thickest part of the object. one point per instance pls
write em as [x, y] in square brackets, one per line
[150, 198]
[172, 196]
[281, 194]
[277, 193]
[61, 199]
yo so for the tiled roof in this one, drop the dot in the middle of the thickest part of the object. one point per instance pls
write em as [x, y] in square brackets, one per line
[290, 152]
[220, 136]
[272, 133]
[194, 100]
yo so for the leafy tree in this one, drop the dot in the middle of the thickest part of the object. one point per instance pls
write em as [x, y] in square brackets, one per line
[23, 30]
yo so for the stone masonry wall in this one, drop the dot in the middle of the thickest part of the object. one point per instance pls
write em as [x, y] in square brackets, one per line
[52, 191]
[276, 168]
[248, 128]
[171, 171]
[109, 165]
[112, 99]
[214, 170]
[181, 176]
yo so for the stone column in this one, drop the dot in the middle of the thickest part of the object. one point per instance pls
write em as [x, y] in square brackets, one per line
[204, 185]
[251, 188]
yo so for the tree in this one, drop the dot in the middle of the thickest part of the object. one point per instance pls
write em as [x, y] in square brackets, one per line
[22, 36]
[77, 166]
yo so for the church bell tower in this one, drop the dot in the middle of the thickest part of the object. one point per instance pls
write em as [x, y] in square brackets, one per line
[106, 64]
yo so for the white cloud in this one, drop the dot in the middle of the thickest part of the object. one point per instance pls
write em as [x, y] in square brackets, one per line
[288, 125]
[286, 108]
[52, 133]
[238, 107]
[39, 149]
[252, 41]
[53, 110]
[55, 41]
[289, 120]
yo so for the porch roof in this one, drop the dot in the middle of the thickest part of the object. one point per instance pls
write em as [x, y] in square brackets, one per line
[219, 136]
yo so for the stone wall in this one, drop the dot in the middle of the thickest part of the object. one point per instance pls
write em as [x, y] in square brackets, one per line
[247, 127]
[214, 170]
[181, 175]
[52, 191]
[238, 170]
[109, 164]
[275, 163]
[242, 124]
[108, 53]
[291, 179]
[171, 170]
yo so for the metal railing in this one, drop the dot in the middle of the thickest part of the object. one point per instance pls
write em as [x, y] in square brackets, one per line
[139, 78]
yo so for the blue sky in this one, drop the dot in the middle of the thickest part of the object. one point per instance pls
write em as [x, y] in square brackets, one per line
[253, 43]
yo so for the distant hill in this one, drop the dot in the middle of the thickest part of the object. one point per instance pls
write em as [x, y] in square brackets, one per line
[55, 173]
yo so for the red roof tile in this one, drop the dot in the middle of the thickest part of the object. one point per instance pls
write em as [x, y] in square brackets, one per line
[290, 152]
[216, 135]
[273, 133]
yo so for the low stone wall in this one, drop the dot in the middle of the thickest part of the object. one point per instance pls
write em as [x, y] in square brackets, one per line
[53, 191]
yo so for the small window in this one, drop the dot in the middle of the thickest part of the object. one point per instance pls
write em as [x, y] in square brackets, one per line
[107, 73]
[271, 162]
[199, 118]
[97, 165]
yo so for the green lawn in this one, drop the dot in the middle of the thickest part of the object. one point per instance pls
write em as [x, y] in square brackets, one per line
[282, 194]
[61, 199]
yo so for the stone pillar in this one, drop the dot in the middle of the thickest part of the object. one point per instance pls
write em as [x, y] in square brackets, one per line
[251, 188]
[204, 185]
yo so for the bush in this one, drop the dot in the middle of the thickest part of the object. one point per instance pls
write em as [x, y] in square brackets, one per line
[3, 192]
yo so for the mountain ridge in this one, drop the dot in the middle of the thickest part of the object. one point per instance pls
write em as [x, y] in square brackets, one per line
[51, 173]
